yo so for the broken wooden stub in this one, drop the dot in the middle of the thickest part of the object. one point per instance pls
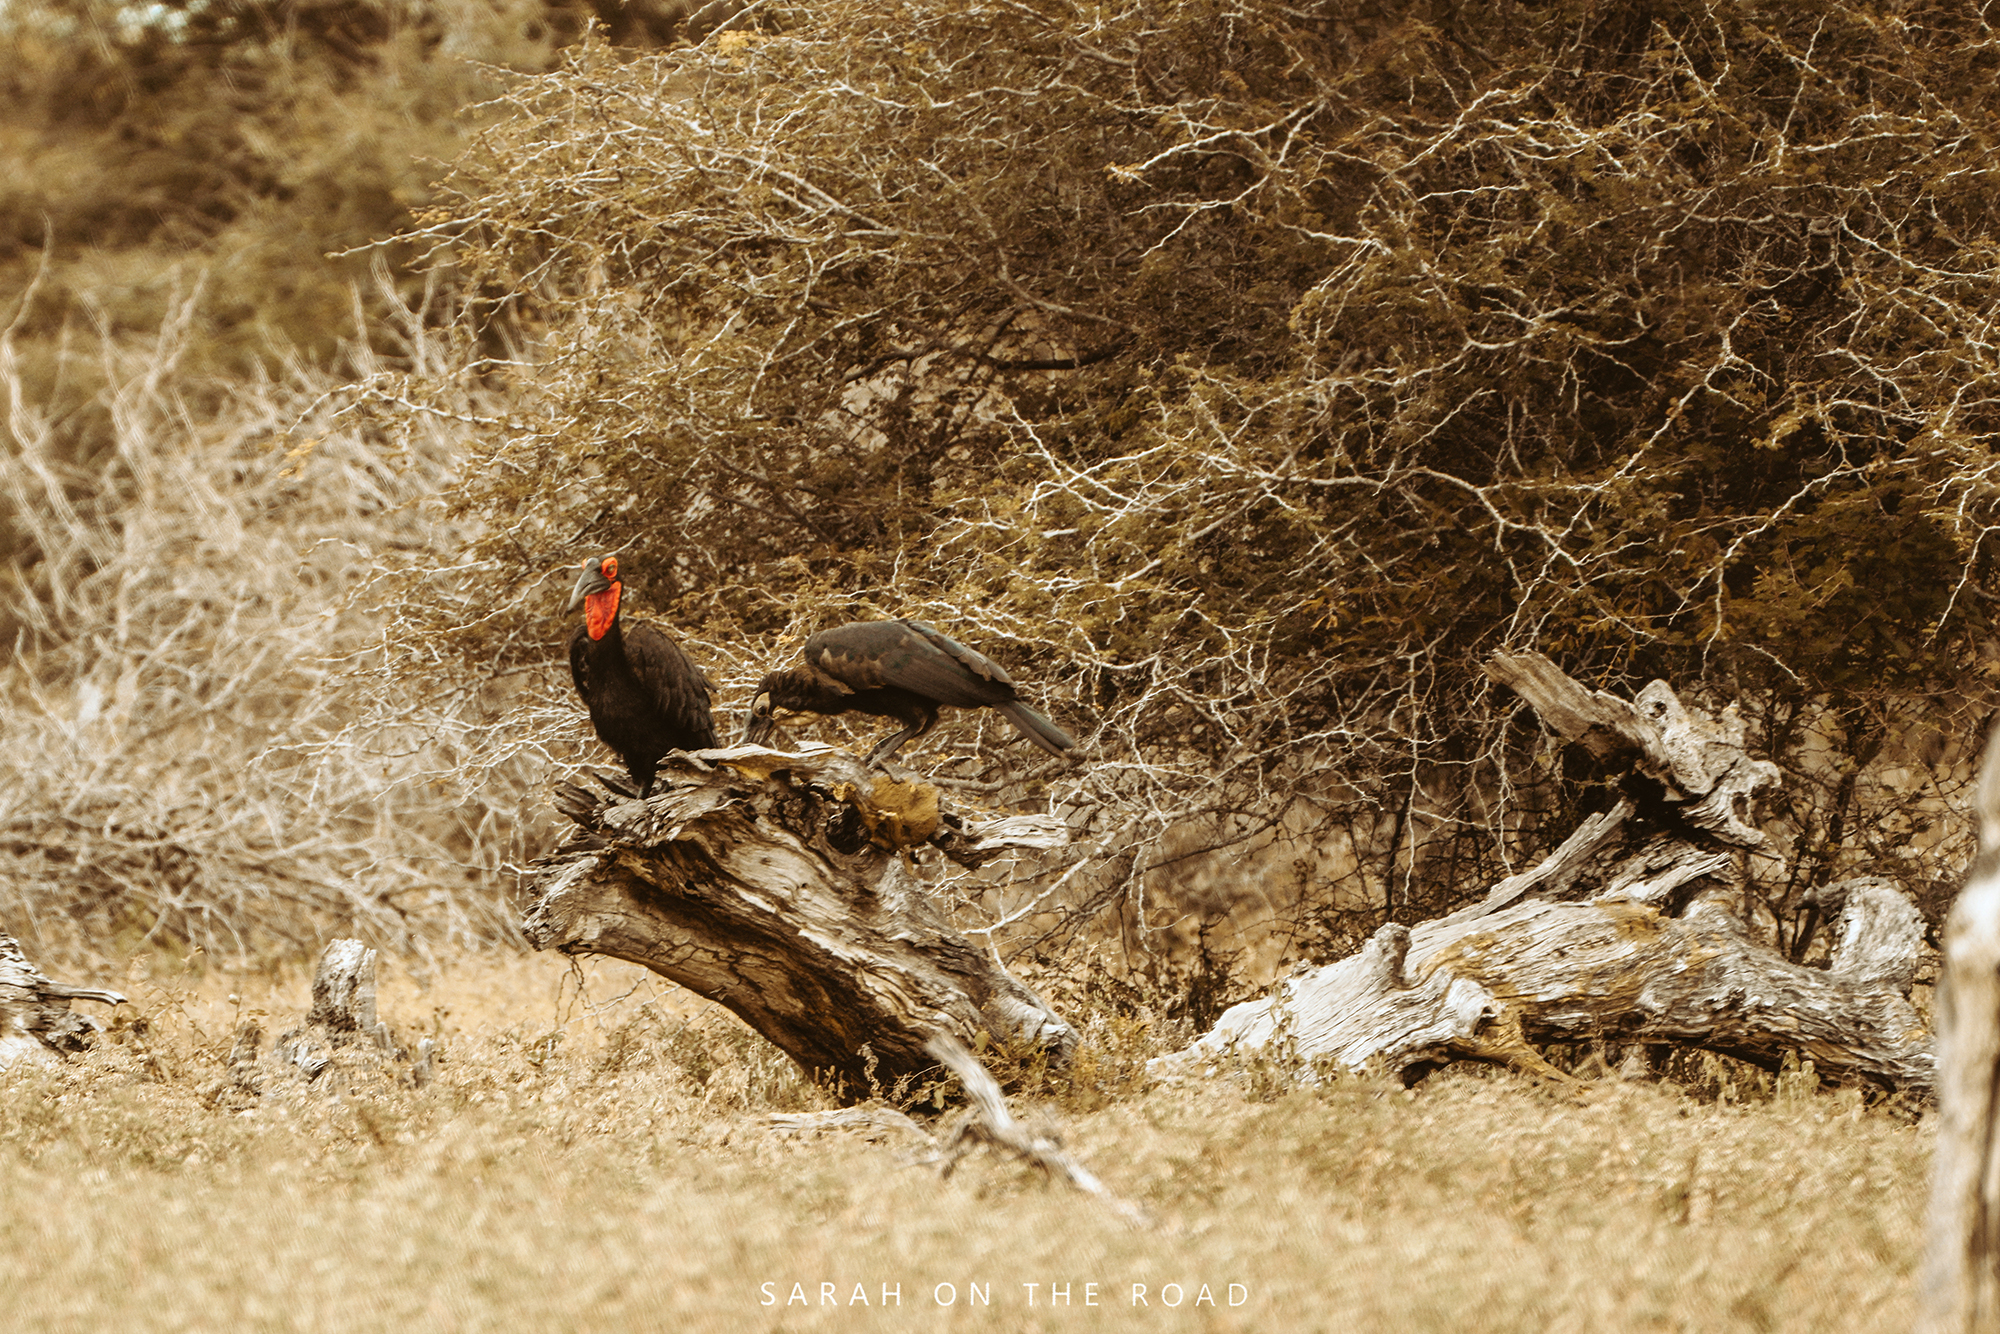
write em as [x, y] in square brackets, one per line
[1632, 931]
[340, 1047]
[36, 1023]
[781, 885]
[1961, 1273]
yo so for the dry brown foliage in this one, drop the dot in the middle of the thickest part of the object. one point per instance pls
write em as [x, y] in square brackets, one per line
[1242, 377]
[178, 769]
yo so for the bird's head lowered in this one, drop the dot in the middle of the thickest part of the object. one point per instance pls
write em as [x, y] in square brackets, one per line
[597, 591]
[784, 695]
[764, 708]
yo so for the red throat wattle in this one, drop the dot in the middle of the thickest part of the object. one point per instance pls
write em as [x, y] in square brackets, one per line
[600, 610]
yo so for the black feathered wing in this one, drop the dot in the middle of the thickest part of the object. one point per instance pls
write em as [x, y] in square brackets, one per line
[680, 689]
[579, 663]
[645, 696]
[912, 656]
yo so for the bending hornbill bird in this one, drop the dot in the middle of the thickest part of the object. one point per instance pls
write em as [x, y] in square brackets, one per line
[895, 669]
[645, 697]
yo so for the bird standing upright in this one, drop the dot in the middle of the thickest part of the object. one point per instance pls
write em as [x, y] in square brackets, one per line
[895, 669]
[645, 697]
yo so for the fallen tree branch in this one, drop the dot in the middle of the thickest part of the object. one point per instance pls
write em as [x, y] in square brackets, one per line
[36, 1023]
[781, 885]
[1630, 931]
[875, 1120]
[992, 1123]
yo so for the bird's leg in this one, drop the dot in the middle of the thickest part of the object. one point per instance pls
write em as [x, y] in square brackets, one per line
[642, 777]
[913, 730]
[891, 745]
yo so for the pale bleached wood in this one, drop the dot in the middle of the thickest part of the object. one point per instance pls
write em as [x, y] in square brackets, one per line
[1489, 987]
[874, 1120]
[36, 1022]
[990, 1121]
[1961, 1271]
[341, 1046]
[1628, 931]
[993, 1123]
[780, 884]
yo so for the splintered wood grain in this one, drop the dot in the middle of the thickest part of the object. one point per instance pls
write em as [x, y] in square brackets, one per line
[1629, 931]
[1961, 1275]
[774, 884]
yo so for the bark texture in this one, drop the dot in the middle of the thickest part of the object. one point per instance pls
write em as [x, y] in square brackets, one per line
[1631, 930]
[781, 885]
[1961, 1275]
[341, 1047]
[36, 1022]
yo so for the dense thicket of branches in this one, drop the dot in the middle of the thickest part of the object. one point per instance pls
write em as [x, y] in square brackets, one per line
[1242, 374]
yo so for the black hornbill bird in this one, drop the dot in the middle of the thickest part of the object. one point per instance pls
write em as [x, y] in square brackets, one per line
[645, 697]
[895, 669]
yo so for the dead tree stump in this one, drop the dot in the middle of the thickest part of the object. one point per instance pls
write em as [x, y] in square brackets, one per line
[36, 1023]
[341, 1046]
[1961, 1274]
[781, 885]
[1632, 931]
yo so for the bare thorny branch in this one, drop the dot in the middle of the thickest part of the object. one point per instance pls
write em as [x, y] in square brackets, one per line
[1241, 380]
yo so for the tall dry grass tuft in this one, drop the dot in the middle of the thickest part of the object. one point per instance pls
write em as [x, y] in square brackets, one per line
[179, 767]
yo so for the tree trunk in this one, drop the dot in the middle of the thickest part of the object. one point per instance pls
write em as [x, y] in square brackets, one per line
[782, 886]
[1961, 1276]
[1631, 930]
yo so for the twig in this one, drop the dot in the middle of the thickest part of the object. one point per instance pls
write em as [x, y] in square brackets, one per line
[994, 1124]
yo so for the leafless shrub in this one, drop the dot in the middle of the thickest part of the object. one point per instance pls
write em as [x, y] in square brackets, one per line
[178, 767]
[1243, 377]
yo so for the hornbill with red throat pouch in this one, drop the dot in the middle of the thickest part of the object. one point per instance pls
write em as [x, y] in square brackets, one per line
[904, 670]
[645, 697]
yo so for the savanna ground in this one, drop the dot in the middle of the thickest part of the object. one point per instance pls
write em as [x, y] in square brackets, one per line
[280, 564]
[593, 1159]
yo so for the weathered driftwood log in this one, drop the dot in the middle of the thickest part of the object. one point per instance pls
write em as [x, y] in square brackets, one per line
[1630, 931]
[780, 885]
[341, 1045]
[1961, 1274]
[36, 1022]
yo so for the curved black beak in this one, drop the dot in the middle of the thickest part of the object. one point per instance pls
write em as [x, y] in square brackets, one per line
[759, 725]
[592, 580]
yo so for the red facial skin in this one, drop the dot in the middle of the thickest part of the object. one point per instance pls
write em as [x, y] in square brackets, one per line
[601, 609]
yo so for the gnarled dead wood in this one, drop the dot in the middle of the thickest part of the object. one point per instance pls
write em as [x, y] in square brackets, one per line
[340, 1046]
[780, 885]
[36, 1022]
[1961, 1274]
[987, 1121]
[1629, 931]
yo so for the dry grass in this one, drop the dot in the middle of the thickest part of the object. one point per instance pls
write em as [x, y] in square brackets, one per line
[583, 1162]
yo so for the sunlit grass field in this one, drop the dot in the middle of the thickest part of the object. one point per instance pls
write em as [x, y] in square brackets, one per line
[595, 1160]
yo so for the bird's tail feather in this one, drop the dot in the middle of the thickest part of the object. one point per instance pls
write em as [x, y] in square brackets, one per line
[1037, 728]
